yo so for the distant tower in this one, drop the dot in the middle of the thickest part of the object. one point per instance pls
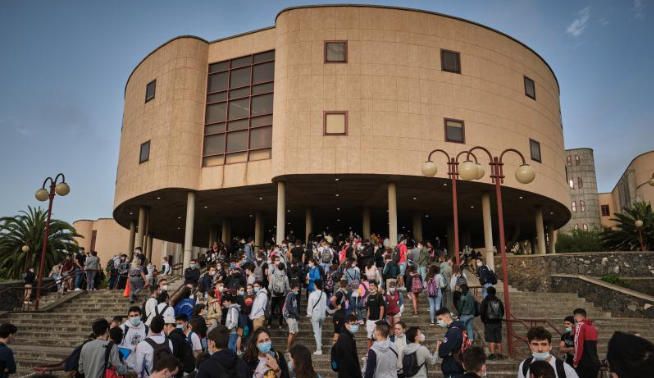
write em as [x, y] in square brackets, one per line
[582, 183]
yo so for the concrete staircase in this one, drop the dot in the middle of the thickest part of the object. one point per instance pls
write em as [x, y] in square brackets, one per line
[48, 337]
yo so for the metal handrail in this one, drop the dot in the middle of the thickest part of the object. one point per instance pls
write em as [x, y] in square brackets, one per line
[529, 323]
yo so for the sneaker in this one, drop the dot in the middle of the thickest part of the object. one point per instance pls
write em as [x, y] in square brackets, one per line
[78, 289]
[432, 324]
[317, 353]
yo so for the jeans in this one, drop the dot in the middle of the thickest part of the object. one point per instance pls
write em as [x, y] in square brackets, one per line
[467, 321]
[90, 279]
[78, 279]
[233, 337]
[326, 267]
[276, 305]
[484, 289]
[422, 270]
[316, 324]
[434, 305]
[135, 286]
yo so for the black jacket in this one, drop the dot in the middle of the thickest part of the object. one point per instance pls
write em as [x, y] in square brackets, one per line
[182, 351]
[483, 309]
[451, 346]
[191, 276]
[223, 364]
[344, 358]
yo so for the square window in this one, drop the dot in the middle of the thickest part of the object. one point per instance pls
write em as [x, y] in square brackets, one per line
[450, 61]
[335, 123]
[454, 131]
[261, 138]
[335, 51]
[214, 145]
[217, 82]
[534, 148]
[263, 72]
[144, 154]
[150, 89]
[239, 78]
[530, 88]
[239, 109]
[237, 141]
[216, 112]
[605, 211]
[262, 105]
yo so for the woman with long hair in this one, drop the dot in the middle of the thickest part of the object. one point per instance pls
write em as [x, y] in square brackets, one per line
[301, 362]
[434, 285]
[262, 360]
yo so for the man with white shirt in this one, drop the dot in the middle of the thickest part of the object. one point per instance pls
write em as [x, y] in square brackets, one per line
[258, 311]
[159, 306]
[155, 344]
[134, 331]
[540, 343]
[316, 311]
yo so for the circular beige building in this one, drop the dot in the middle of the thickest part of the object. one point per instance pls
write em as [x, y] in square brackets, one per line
[325, 119]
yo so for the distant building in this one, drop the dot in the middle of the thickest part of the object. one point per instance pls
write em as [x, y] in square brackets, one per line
[582, 183]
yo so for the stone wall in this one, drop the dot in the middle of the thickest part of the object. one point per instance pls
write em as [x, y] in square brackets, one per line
[618, 300]
[532, 272]
[643, 285]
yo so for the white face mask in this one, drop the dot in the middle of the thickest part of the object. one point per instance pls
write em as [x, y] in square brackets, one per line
[441, 323]
[421, 338]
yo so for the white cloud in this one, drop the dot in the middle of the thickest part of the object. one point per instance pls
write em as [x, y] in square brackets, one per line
[578, 25]
[603, 21]
[639, 9]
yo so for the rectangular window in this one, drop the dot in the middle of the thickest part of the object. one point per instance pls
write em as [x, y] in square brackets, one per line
[585, 227]
[569, 160]
[574, 206]
[454, 131]
[238, 120]
[144, 154]
[530, 88]
[580, 183]
[571, 182]
[335, 51]
[582, 206]
[335, 123]
[605, 211]
[450, 61]
[150, 89]
[534, 148]
[577, 160]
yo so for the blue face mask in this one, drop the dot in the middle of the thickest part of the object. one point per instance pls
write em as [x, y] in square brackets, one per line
[354, 328]
[541, 356]
[135, 320]
[264, 347]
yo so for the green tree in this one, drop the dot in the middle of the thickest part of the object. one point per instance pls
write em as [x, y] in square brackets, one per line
[27, 229]
[626, 236]
[579, 241]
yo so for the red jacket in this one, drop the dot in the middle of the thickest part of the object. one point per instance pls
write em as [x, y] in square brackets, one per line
[585, 341]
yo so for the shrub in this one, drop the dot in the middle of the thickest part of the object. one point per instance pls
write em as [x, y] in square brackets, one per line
[579, 241]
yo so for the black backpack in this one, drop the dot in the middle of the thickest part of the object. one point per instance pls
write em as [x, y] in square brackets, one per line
[159, 351]
[560, 368]
[494, 310]
[410, 365]
[72, 361]
[182, 351]
[492, 277]
[222, 371]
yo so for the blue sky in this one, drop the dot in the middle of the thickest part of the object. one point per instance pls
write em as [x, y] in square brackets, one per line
[64, 65]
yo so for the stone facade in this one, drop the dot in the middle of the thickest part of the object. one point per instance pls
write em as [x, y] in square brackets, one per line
[618, 300]
[582, 183]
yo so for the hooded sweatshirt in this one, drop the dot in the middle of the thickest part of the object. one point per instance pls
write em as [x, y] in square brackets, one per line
[423, 356]
[586, 345]
[220, 364]
[382, 360]
[231, 321]
[451, 345]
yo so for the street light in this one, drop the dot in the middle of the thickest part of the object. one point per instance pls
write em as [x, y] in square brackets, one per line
[56, 188]
[472, 170]
[524, 174]
[639, 226]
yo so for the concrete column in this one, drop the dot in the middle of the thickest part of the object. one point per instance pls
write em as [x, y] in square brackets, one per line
[417, 226]
[146, 233]
[258, 230]
[488, 230]
[179, 254]
[366, 223]
[554, 234]
[226, 232]
[308, 224]
[132, 237]
[540, 231]
[141, 230]
[392, 213]
[281, 212]
[188, 230]
[149, 246]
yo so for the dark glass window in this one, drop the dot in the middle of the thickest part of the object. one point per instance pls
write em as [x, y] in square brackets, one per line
[580, 183]
[238, 121]
[582, 206]
[534, 148]
[530, 88]
[605, 210]
[144, 154]
[150, 89]
[454, 131]
[335, 51]
[451, 61]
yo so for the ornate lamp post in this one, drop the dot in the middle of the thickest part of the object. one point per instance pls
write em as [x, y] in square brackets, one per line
[429, 169]
[61, 188]
[524, 174]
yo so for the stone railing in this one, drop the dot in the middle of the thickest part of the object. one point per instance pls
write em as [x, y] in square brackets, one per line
[532, 272]
[618, 300]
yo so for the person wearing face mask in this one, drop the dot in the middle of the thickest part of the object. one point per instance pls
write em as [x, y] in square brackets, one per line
[231, 320]
[93, 355]
[223, 361]
[316, 308]
[291, 313]
[191, 337]
[474, 362]
[586, 362]
[162, 307]
[415, 357]
[192, 274]
[207, 280]
[181, 350]
[301, 365]
[152, 302]
[567, 344]
[393, 302]
[344, 358]
[151, 348]
[375, 311]
[261, 358]
[449, 348]
[258, 311]
[540, 344]
[399, 337]
[214, 309]
[487, 277]
[134, 331]
[312, 275]
[382, 358]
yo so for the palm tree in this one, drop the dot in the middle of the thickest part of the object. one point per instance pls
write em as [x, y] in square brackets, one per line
[627, 234]
[27, 229]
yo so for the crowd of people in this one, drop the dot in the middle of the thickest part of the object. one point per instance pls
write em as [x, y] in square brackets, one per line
[218, 323]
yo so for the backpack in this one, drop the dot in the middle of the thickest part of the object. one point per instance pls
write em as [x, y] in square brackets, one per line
[156, 310]
[326, 256]
[392, 304]
[466, 343]
[72, 362]
[492, 277]
[560, 367]
[159, 351]
[278, 285]
[183, 352]
[416, 284]
[221, 370]
[353, 282]
[410, 365]
[393, 270]
[460, 280]
[109, 371]
[258, 271]
[185, 306]
[395, 256]
[493, 310]
[432, 287]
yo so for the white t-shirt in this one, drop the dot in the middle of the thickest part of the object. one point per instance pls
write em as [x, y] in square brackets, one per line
[169, 313]
[195, 342]
[569, 371]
